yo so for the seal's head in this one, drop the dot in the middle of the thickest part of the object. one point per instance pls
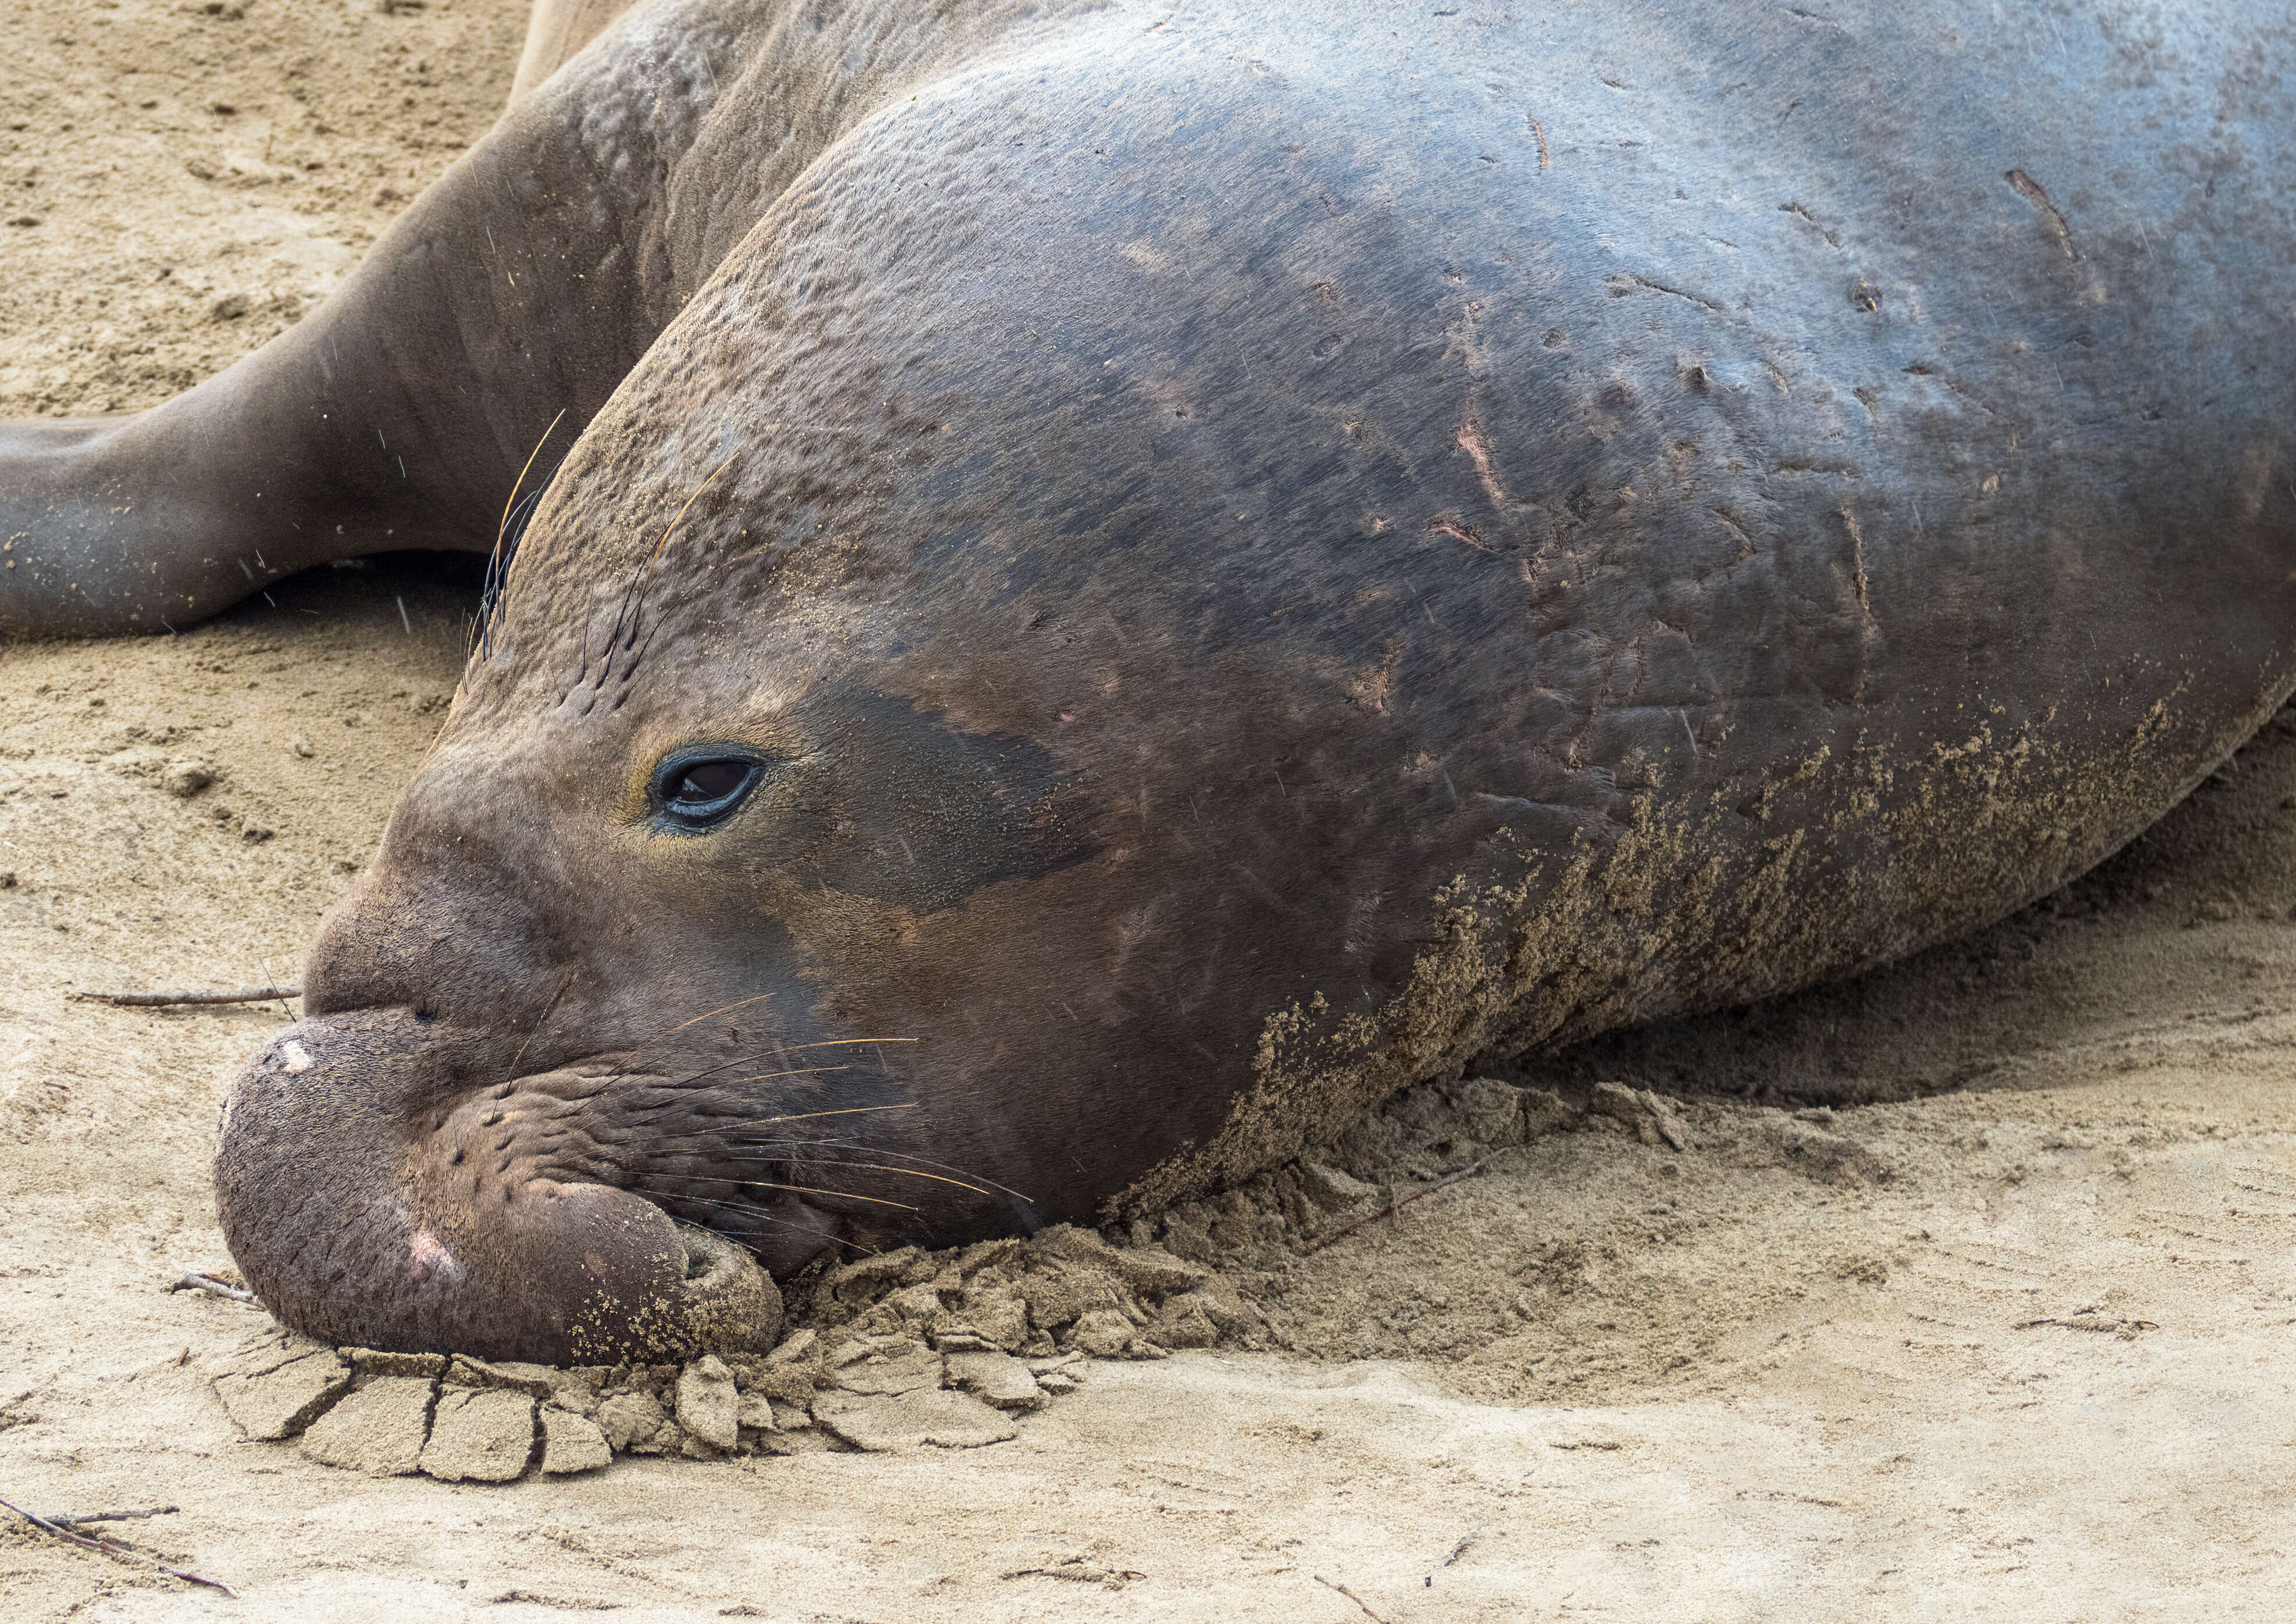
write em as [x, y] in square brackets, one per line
[653, 963]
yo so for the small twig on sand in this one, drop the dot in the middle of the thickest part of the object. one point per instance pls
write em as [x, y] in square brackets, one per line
[159, 1000]
[209, 1283]
[1350, 1594]
[1400, 1202]
[109, 1549]
[115, 1516]
[1078, 1569]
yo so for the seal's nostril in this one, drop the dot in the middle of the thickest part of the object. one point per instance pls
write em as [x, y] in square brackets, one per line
[729, 1301]
[705, 1252]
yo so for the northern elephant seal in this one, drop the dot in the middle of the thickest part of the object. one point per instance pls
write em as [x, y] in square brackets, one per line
[1134, 578]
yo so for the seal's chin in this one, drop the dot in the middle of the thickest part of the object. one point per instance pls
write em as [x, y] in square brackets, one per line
[352, 1227]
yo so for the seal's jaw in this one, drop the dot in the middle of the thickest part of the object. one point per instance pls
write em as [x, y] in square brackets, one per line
[348, 1231]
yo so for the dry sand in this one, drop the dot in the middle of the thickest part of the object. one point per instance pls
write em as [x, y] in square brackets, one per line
[2014, 1343]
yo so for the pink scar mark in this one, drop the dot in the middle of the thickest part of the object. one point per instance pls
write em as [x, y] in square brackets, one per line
[427, 1255]
[1471, 442]
[1458, 532]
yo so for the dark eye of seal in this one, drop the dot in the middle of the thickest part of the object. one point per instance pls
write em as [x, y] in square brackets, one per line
[696, 794]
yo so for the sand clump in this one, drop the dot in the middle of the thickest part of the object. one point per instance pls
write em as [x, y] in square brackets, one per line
[905, 1349]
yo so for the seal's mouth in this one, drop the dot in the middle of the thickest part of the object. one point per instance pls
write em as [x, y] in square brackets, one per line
[365, 1211]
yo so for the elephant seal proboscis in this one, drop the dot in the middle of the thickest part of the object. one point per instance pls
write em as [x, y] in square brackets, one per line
[1129, 580]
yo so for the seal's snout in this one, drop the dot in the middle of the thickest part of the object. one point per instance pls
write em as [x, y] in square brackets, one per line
[361, 1216]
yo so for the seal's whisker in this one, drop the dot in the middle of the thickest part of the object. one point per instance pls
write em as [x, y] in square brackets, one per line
[670, 1086]
[881, 1167]
[743, 1003]
[503, 528]
[886, 1150]
[714, 1139]
[761, 1076]
[779, 1050]
[708, 1178]
[655, 555]
[722, 1009]
[711, 1136]
[772, 1217]
[768, 1184]
[694, 1077]
[815, 1145]
[564, 982]
[637, 659]
[758, 1211]
[808, 1116]
[628, 616]
[497, 580]
[743, 1139]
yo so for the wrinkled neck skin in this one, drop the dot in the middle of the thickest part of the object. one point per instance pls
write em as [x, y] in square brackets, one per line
[1252, 561]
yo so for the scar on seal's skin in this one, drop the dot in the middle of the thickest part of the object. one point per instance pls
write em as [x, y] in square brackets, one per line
[2032, 192]
[427, 1255]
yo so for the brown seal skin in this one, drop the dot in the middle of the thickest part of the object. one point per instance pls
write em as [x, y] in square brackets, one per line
[1132, 580]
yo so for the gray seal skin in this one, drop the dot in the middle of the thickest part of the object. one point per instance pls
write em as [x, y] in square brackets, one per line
[1133, 579]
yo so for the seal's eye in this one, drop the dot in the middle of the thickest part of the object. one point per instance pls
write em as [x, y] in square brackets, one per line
[694, 794]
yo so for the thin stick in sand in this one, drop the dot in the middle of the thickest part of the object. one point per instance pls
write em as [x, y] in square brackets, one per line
[1394, 1207]
[160, 1000]
[114, 1516]
[209, 1283]
[1351, 1596]
[108, 1548]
